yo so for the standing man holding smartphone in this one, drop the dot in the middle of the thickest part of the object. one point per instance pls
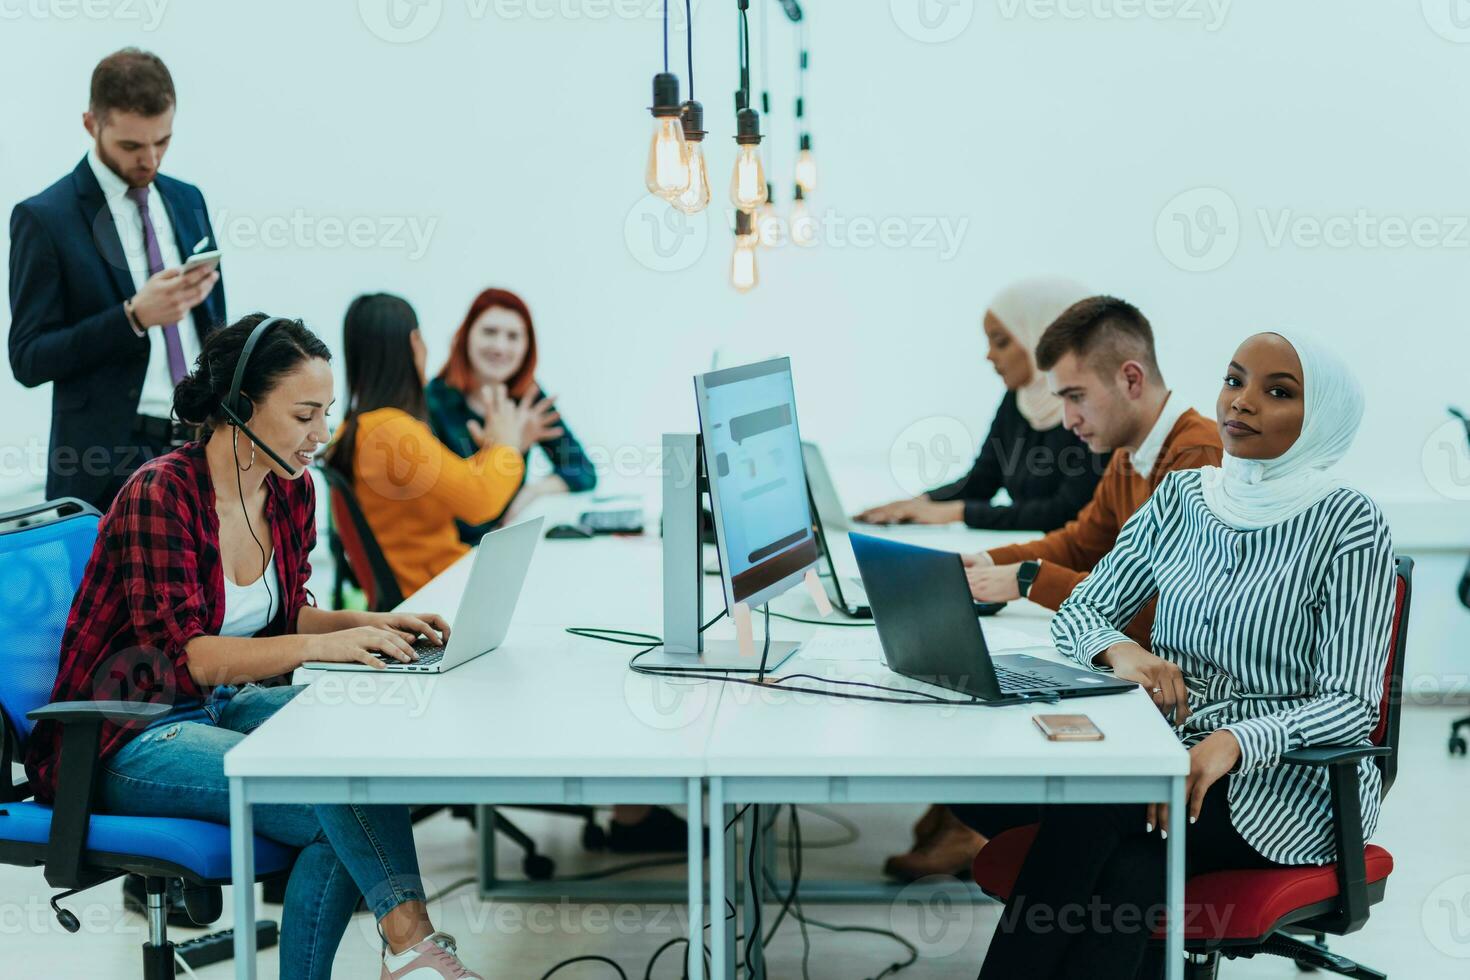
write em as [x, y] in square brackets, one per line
[100, 303]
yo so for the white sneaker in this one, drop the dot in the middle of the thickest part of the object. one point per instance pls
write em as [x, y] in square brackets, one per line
[435, 958]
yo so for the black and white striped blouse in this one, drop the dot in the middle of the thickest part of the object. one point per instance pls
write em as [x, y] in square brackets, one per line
[1300, 610]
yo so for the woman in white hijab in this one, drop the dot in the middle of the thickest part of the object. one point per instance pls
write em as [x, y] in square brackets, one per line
[1046, 471]
[1275, 588]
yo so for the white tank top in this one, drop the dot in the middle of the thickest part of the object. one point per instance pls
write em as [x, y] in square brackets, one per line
[248, 610]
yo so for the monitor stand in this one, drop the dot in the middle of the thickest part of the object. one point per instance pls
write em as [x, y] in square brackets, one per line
[685, 485]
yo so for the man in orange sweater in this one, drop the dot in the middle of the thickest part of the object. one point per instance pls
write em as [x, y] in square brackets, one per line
[1099, 358]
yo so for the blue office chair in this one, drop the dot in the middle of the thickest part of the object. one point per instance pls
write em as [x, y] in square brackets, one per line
[43, 552]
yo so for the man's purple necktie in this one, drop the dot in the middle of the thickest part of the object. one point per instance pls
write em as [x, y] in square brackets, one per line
[177, 368]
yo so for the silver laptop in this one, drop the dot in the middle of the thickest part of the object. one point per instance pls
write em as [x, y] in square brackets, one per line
[497, 573]
[833, 525]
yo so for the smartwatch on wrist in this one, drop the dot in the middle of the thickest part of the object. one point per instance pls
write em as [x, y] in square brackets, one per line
[1026, 574]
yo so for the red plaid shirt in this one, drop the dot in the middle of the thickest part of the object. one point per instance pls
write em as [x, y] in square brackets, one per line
[155, 582]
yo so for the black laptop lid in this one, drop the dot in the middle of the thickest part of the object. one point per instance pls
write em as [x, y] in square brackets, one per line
[925, 615]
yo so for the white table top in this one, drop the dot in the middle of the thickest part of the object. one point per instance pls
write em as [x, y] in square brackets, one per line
[549, 704]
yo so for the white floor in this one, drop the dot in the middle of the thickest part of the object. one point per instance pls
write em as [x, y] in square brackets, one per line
[1421, 931]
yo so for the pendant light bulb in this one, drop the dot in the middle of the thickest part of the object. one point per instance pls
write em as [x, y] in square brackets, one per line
[695, 195]
[803, 225]
[806, 165]
[743, 274]
[769, 231]
[748, 182]
[667, 173]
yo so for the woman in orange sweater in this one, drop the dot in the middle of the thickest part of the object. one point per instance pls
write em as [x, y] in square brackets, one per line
[411, 486]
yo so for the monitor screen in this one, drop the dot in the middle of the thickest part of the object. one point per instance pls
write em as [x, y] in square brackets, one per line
[752, 452]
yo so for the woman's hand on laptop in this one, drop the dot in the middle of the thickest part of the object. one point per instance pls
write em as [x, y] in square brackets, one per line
[1161, 680]
[411, 626]
[360, 644]
[917, 510]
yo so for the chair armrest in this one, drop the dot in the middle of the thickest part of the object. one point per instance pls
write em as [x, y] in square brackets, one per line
[1332, 755]
[76, 779]
[1347, 827]
[119, 711]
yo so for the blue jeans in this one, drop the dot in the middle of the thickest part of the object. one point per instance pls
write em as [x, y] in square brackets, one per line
[176, 768]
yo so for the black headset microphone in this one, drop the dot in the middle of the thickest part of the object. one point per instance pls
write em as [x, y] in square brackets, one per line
[237, 407]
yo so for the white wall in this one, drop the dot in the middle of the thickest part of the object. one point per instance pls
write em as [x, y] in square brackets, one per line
[1055, 134]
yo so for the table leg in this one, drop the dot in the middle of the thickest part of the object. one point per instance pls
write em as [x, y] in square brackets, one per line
[696, 877]
[1174, 939]
[719, 886]
[242, 877]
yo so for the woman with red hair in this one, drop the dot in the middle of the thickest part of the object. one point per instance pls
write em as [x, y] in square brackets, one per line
[496, 346]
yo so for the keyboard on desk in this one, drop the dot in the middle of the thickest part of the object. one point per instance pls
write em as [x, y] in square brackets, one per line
[429, 653]
[627, 521]
[1012, 680]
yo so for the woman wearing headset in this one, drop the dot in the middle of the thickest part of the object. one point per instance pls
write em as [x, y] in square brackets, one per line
[199, 576]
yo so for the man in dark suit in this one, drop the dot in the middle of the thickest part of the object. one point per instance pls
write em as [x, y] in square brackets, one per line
[100, 304]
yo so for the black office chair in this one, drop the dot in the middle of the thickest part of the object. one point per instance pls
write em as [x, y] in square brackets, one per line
[1457, 741]
[43, 552]
[356, 552]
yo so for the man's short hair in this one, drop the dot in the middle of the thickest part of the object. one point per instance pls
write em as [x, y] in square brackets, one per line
[131, 80]
[1104, 331]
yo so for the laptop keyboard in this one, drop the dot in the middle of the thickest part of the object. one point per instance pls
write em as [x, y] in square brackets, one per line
[1012, 680]
[430, 653]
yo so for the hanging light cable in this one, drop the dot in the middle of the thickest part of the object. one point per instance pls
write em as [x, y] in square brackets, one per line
[806, 164]
[748, 182]
[694, 197]
[667, 171]
[767, 221]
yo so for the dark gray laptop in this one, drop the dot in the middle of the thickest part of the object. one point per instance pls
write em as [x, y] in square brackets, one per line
[928, 630]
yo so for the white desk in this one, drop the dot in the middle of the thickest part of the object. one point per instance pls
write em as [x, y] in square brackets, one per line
[551, 718]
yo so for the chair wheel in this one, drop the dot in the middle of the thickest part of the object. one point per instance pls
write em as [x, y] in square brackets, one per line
[594, 838]
[1457, 745]
[538, 867]
[68, 921]
[1305, 967]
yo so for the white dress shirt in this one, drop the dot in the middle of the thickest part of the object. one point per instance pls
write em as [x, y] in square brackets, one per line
[157, 396]
[1147, 453]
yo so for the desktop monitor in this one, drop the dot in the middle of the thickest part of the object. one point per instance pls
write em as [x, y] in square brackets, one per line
[757, 481]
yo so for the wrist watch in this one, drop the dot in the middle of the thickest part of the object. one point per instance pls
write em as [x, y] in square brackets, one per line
[1026, 574]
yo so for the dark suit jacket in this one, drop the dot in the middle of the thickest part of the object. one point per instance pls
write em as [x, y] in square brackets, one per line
[68, 280]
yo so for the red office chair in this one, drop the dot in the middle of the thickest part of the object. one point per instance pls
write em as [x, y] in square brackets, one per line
[1243, 913]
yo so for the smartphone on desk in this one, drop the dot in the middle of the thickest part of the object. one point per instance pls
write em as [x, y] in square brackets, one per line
[1068, 728]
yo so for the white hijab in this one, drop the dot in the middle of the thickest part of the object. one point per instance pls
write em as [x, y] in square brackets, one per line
[1026, 308]
[1248, 494]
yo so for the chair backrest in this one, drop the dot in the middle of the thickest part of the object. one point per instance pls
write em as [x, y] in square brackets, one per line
[1386, 732]
[43, 552]
[369, 565]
